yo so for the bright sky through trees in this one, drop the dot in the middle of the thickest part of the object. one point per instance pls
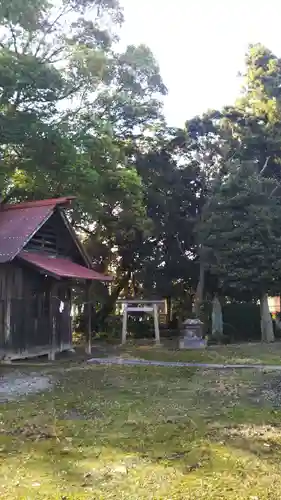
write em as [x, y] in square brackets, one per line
[200, 46]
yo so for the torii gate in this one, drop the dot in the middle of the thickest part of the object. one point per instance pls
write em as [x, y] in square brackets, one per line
[148, 306]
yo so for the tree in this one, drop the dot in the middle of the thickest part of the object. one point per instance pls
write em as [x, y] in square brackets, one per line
[49, 53]
[113, 130]
[74, 114]
[247, 131]
[203, 147]
[252, 125]
[242, 233]
[165, 265]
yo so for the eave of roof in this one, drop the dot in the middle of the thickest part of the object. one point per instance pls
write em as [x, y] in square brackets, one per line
[60, 267]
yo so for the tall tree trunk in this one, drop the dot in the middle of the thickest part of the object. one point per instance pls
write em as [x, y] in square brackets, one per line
[217, 321]
[267, 333]
[169, 310]
[199, 294]
[134, 286]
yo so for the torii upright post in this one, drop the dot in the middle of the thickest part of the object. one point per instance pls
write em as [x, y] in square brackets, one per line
[124, 324]
[156, 324]
[146, 306]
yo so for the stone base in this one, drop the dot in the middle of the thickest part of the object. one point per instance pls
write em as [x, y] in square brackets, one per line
[192, 343]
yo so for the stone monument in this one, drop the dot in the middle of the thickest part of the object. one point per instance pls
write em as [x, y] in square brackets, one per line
[192, 335]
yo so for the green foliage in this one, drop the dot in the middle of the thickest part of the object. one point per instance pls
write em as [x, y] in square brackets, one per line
[72, 112]
[163, 263]
[252, 126]
[241, 230]
[137, 327]
[242, 321]
[77, 117]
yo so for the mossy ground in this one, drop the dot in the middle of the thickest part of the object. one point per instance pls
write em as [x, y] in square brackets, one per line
[136, 433]
[251, 353]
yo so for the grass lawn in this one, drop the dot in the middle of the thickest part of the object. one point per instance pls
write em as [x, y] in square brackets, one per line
[137, 433]
[255, 353]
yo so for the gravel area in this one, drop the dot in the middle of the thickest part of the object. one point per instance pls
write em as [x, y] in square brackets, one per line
[15, 385]
[269, 393]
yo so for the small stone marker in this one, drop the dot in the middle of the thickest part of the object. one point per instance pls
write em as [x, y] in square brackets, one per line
[192, 335]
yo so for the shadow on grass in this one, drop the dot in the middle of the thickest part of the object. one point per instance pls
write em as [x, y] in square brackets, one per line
[100, 418]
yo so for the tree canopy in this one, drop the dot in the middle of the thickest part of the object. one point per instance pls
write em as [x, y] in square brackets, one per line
[155, 205]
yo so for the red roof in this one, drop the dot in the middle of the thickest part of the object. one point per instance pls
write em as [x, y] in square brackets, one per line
[62, 268]
[18, 223]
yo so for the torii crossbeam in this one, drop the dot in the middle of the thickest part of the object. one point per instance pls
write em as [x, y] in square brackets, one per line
[147, 306]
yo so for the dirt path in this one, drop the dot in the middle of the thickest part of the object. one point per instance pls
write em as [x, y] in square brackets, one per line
[16, 384]
[143, 362]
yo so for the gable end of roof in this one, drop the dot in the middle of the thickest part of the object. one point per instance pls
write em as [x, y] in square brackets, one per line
[20, 222]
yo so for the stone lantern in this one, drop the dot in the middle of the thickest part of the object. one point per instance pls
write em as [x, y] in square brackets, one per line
[192, 335]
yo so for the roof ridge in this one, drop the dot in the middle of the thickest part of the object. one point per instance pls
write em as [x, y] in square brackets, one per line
[39, 203]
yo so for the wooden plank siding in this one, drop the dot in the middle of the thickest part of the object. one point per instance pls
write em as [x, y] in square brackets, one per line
[24, 311]
[41, 259]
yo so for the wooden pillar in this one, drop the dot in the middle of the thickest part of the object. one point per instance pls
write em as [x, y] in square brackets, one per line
[156, 324]
[8, 311]
[71, 317]
[124, 324]
[88, 348]
[52, 316]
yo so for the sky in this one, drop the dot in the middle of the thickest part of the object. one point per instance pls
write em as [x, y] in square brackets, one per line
[200, 46]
